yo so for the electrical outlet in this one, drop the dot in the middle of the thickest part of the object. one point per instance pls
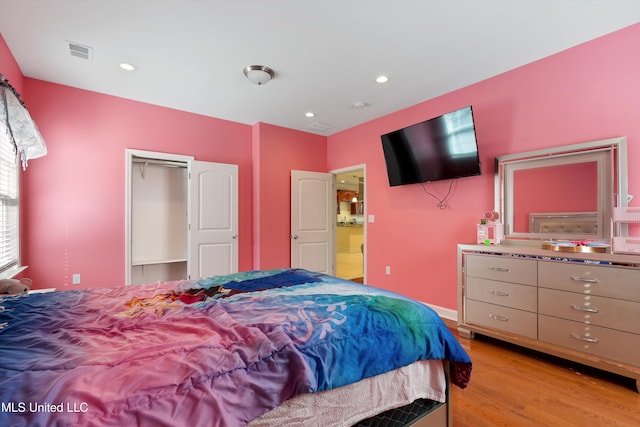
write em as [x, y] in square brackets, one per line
[76, 279]
[387, 270]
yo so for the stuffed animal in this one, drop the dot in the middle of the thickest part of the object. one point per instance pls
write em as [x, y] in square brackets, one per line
[14, 287]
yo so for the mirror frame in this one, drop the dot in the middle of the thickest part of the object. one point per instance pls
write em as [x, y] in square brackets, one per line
[610, 156]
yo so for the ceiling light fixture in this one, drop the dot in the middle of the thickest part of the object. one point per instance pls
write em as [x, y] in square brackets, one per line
[259, 74]
[382, 79]
[309, 114]
[127, 67]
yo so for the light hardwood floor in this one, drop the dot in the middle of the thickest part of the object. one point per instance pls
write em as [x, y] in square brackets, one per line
[349, 265]
[512, 386]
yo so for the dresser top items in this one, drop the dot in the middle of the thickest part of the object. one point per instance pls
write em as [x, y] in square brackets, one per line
[526, 252]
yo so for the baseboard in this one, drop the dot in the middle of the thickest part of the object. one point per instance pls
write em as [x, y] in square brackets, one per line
[450, 317]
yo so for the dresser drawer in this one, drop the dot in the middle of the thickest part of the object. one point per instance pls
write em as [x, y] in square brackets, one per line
[503, 318]
[523, 297]
[602, 342]
[599, 311]
[613, 282]
[515, 270]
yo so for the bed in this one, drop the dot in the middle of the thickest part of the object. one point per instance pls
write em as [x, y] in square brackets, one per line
[257, 348]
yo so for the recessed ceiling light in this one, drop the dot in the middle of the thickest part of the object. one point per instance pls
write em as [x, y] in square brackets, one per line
[127, 67]
[310, 114]
[382, 79]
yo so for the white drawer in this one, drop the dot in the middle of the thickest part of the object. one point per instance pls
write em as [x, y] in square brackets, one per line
[503, 318]
[598, 311]
[505, 269]
[613, 282]
[523, 297]
[602, 342]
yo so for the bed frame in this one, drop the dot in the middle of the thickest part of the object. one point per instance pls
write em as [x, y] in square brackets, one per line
[421, 413]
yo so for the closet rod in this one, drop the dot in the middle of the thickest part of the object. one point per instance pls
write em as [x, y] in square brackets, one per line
[167, 163]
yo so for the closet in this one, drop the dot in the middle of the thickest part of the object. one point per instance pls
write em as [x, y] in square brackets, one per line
[158, 220]
[181, 217]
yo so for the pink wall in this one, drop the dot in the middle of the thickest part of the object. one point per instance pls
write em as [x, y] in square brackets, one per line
[74, 197]
[586, 93]
[73, 210]
[8, 66]
[277, 151]
[569, 191]
[10, 70]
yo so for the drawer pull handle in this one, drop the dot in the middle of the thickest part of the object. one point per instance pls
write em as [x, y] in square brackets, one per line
[585, 338]
[584, 308]
[501, 318]
[499, 293]
[500, 269]
[584, 279]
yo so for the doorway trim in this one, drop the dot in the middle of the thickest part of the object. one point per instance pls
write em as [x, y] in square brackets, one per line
[363, 168]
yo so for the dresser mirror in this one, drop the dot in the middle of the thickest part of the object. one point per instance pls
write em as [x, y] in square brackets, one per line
[561, 193]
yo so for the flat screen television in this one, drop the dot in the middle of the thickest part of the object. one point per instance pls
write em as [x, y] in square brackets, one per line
[441, 148]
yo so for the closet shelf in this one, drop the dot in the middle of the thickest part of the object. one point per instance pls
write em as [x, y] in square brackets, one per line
[157, 261]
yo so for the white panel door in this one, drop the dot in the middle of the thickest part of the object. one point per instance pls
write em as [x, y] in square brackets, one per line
[312, 221]
[213, 219]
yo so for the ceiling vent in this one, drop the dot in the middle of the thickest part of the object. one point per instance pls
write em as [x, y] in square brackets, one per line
[319, 126]
[80, 51]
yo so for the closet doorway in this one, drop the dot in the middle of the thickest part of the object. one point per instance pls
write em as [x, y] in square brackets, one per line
[350, 227]
[181, 217]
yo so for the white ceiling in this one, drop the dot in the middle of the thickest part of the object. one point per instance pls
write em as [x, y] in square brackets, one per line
[326, 54]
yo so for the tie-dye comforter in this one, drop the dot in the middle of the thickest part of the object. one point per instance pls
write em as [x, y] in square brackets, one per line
[215, 352]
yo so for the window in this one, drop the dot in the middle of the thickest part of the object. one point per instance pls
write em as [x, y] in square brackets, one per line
[9, 207]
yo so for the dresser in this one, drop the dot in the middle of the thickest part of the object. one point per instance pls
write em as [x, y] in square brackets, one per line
[584, 307]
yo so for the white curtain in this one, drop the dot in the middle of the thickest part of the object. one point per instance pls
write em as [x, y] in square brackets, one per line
[22, 131]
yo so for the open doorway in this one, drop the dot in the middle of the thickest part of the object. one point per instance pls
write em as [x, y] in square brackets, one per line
[350, 223]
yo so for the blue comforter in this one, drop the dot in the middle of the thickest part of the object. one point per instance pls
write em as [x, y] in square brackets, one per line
[220, 351]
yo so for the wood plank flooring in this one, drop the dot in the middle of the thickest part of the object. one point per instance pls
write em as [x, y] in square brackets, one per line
[349, 265]
[512, 386]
